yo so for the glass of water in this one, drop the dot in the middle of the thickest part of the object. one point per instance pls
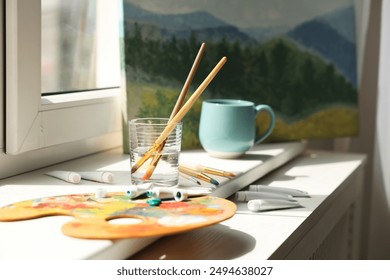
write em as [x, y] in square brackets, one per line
[143, 133]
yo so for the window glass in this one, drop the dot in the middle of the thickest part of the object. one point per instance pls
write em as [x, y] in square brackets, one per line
[73, 39]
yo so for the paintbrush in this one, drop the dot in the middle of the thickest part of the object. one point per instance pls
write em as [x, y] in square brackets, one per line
[198, 175]
[189, 178]
[179, 103]
[210, 170]
[179, 116]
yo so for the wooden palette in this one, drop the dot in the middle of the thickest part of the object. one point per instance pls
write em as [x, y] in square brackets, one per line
[92, 215]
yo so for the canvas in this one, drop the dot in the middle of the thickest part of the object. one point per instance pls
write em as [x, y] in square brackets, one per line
[298, 56]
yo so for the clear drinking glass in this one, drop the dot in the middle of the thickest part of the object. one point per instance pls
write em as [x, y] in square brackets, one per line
[143, 133]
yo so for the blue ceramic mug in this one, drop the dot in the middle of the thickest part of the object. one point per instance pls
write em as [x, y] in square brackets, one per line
[227, 127]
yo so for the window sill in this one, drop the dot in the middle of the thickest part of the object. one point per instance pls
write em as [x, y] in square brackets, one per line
[45, 240]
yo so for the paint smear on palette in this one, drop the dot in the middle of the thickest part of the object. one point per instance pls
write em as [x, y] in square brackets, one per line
[92, 215]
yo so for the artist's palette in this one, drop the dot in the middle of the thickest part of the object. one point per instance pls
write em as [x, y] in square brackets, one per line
[92, 215]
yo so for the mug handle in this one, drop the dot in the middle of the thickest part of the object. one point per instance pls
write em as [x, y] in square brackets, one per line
[268, 109]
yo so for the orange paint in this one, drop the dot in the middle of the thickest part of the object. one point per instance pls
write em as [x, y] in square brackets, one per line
[92, 215]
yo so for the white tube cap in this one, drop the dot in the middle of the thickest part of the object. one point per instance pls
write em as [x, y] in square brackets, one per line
[74, 177]
[107, 177]
[100, 193]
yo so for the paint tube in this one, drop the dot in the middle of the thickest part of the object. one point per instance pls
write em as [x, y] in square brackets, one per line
[175, 193]
[287, 191]
[67, 176]
[135, 191]
[247, 195]
[97, 176]
[258, 205]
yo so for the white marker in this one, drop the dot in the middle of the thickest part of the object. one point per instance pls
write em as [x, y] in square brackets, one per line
[246, 196]
[257, 205]
[287, 191]
[67, 176]
[97, 176]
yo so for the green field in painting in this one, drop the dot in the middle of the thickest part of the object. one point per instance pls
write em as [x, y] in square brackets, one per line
[152, 100]
[332, 122]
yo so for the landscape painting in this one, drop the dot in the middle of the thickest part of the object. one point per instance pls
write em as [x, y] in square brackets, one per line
[298, 56]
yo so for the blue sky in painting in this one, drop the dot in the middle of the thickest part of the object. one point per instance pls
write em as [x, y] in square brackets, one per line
[249, 13]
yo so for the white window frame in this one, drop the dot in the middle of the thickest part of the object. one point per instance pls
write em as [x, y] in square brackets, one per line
[35, 126]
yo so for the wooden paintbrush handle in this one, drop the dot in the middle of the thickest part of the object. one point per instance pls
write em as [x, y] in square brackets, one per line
[188, 81]
[190, 102]
[178, 117]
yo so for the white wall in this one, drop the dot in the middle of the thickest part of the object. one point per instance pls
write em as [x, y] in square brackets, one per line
[368, 87]
[374, 114]
[379, 241]
[1, 79]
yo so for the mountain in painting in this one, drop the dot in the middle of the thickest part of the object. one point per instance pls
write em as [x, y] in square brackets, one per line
[195, 20]
[263, 34]
[343, 21]
[331, 36]
[203, 25]
[329, 44]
